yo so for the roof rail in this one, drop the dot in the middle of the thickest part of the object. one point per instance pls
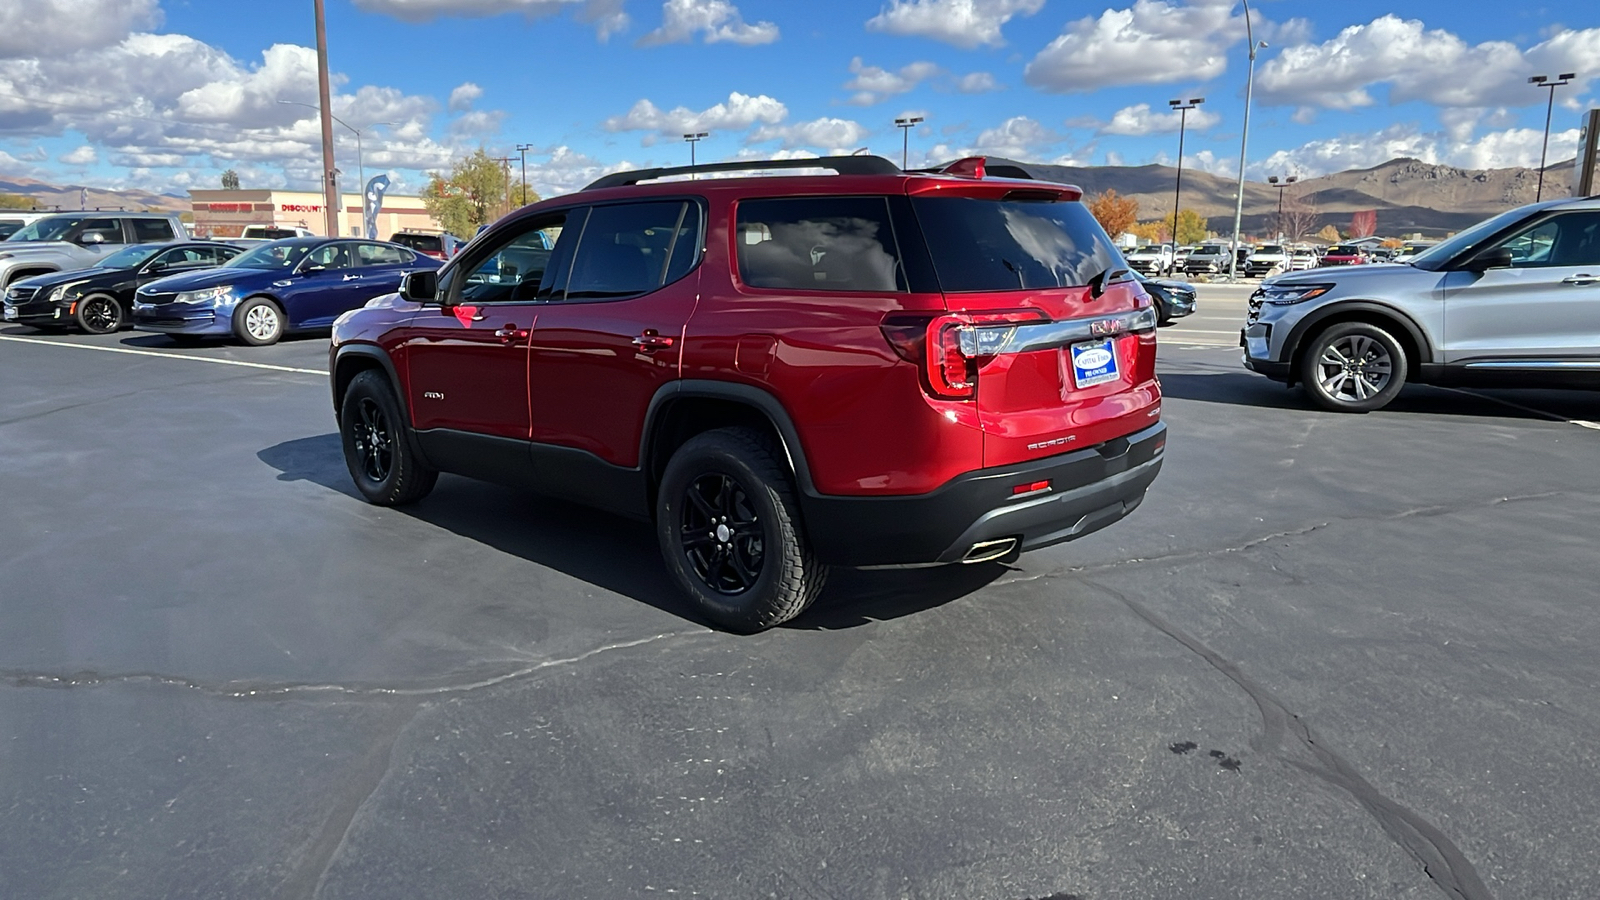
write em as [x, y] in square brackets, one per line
[843, 165]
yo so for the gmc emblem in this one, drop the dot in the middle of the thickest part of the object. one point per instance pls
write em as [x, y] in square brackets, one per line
[1104, 327]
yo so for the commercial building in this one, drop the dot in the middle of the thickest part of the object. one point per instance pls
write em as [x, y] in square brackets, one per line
[222, 213]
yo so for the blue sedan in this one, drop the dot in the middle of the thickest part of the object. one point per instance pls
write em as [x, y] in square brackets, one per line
[297, 284]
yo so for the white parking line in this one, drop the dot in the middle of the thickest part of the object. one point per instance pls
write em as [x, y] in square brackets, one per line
[205, 359]
[1175, 330]
[1581, 423]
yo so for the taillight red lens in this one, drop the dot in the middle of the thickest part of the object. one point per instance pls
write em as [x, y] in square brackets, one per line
[950, 373]
[950, 347]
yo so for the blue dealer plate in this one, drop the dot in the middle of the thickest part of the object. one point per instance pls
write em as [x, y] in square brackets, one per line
[1094, 362]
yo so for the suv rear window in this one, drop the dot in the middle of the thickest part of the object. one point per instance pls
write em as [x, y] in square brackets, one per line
[150, 231]
[425, 243]
[981, 244]
[818, 244]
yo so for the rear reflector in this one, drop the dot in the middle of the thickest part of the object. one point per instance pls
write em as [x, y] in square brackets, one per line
[1030, 488]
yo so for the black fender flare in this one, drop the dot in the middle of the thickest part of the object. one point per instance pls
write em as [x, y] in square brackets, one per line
[375, 353]
[748, 395]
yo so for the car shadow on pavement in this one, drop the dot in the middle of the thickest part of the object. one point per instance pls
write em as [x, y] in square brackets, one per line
[617, 554]
[1248, 389]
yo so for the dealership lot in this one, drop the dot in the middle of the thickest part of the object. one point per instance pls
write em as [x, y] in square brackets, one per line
[1330, 655]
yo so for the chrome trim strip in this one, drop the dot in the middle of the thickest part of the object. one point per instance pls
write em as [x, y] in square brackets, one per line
[1053, 335]
[1535, 364]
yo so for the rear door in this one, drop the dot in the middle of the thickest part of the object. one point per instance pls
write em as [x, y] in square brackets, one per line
[382, 265]
[1545, 306]
[1062, 338]
[613, 333]
[325, 284]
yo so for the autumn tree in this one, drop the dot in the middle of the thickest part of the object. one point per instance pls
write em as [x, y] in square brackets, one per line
[15, 201]
[1299, 218]
[1151, 232]
[472, 194]
[1329, 234]
[230, 180]
[1364, 224]
[522, 194]
[1192, 227]
[1115, 213]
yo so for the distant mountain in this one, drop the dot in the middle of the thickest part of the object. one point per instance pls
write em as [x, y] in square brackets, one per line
[1408, 194]
[69, 196]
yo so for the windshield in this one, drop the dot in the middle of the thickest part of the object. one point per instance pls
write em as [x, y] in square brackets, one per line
[1006, 245]
[1343, 250]
[270, 256]
[47, 229]
[130, 257]
[1436, 256]
[1269, 248]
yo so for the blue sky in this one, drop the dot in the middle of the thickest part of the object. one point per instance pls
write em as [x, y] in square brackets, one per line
[165, 94]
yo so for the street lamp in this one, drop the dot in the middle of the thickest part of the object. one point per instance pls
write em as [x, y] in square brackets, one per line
[695, 138]
[522, 150]
[1552, 84]
[1280, 185]
[1244, 140]
[1183, 108]
[361, 166]
[905, 125]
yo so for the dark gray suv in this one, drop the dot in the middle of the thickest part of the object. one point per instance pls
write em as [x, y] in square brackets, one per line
[1513, 301]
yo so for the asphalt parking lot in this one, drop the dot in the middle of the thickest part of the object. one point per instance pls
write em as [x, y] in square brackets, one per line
[1330, 656]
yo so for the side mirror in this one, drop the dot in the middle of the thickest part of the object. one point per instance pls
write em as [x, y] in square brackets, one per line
[1498, 258]
[157, 266]
[92, 237]
[312, 269]
[421, 286]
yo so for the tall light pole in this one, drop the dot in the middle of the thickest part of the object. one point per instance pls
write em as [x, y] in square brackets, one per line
[1552, 84]
[330, 186]
[522, 150]
[361, 165]
[695, 138]
[1183, 108]
[905, 124]
[1244, 140]
[1280, 185]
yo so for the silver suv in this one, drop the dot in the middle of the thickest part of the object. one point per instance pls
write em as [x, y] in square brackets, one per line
[66, 242]
[1513, 301]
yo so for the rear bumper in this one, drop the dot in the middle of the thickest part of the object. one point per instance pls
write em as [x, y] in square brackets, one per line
[1089, 489]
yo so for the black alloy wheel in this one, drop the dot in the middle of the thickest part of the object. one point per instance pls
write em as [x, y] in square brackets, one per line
[721, 536]
[99, 314]
[376, 450]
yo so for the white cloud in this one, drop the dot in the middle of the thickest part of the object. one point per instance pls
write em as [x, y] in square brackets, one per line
[1151, 42]
[463, 96]
[64, 26]
[83, 156]
[1139, 120]
[718, 20]
[739, 112]
[875, 85]
[1494, 150]
[477, 123]
[830, 134]
[606, 15]
[977, 83]
[964, 23]
[1018, 137]
[1417, 64]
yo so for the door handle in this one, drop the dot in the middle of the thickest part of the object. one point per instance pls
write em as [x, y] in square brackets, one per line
[511, 333]
[651, 341]
[1581, 278]
[350, 277]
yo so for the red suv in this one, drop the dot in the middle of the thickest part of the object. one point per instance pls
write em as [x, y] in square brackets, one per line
[868, 368]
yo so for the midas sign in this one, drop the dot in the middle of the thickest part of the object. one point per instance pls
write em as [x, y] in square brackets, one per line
[300, 207]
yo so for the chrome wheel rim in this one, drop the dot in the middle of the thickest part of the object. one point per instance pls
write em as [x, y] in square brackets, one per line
[261, 322]
[1354, 368]
[720, 534]
[374, 443]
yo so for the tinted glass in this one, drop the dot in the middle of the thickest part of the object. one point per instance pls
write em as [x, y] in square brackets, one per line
[1005, 245]
[271, 256]
[1566, 240]
[50, 228]
[186, 258]
[515, 270]
[8, 227]
[150, 231]
[110, 229]
[686, 247]
[624, 249]
[818, 244]
[1269, 248]
[1344, 250]
[128, 258]
[381, 255]
[331, 256]
[432, 243]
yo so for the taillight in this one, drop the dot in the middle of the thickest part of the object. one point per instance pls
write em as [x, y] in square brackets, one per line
[952, 374]
[950, 348]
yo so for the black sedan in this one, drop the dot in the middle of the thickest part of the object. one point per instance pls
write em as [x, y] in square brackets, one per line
[1174, 299]
[97, 300]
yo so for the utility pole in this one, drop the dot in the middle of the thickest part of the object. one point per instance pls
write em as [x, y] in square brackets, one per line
[505, 166]
[1552, 84]
[905, 125]
[330, 182]
[1183, 108]
[522, 150]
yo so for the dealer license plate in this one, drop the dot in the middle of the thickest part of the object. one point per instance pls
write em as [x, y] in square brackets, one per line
[1094, 362]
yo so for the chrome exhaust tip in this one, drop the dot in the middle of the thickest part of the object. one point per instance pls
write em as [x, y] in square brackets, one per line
[989, 551]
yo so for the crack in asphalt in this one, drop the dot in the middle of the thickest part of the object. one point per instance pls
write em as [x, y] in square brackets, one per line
[1184, 555]
[268, 691]
[1441, 860]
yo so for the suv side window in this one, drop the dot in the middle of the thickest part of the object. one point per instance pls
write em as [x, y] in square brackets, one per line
[513, 270]
[151, 231]
[626, 249]
[818, 244]
[110, 229]
[381, 255]
[1571, 239]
